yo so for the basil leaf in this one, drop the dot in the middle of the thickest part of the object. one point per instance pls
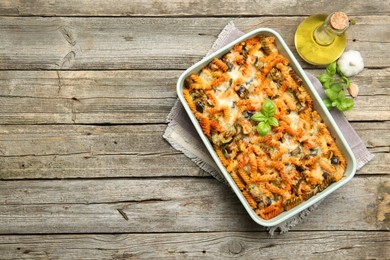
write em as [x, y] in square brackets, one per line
[339, 71]
[263, 128]
[331, 68]
[330, 93]
[346, 81]
[273, 121]
[328, 103]
[336, 87]
[259, 117]
[268, 109]
[324, 78]
[349, 103]
[341, 96]
[326, 85]
[345, 104]
[335, 103]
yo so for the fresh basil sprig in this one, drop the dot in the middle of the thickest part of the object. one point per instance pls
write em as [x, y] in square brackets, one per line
[265, 117]
[334, 88]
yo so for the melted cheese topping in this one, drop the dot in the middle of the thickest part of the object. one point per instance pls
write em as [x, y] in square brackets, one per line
[296, 159]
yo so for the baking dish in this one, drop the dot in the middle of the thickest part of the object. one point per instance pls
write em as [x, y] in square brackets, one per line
[318, 106]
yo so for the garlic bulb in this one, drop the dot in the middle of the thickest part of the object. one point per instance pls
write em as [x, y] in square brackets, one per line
[351, 63]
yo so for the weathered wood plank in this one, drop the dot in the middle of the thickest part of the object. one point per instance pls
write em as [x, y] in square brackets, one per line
[86, 140]
[170, 205]
[93, 110]
[150, 43]
[34, 152]
[366, 105]
[187, 8]
[363, 130]
[379, 164]
[248, 245]
[107, 166]
[67, 97]
[130, 84]
[89, 152]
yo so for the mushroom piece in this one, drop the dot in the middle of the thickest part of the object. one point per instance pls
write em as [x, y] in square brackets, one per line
[199, 106]
[334, 160]
[242, 92]
[248, 114]
[296, 151]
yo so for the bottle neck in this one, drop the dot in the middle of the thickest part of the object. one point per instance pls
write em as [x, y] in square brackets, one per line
[335, 25]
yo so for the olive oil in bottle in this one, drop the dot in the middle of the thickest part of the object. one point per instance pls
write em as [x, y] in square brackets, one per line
[320, 39]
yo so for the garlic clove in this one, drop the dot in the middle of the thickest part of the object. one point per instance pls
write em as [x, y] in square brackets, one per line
[353, 90]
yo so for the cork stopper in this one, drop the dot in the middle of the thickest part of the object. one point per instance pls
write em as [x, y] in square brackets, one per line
[339, 21]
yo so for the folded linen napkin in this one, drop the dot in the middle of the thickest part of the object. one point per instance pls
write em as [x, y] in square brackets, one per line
[182, 135]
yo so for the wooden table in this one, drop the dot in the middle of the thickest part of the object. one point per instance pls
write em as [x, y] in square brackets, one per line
[85, 89]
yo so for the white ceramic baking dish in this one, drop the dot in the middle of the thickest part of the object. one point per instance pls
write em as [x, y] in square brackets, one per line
[318, 105]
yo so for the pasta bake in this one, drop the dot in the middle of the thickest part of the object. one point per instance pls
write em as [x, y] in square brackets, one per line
[297, 159]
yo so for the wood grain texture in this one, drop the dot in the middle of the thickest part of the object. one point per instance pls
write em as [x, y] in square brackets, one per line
[186, 8]
[151, 43]
[108, 166]
[85, 89]
[128, 97]
[168, 205]
[211, 245]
